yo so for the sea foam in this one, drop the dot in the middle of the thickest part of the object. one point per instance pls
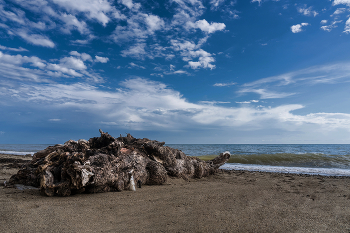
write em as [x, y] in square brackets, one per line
[281, 169]
[16, 152]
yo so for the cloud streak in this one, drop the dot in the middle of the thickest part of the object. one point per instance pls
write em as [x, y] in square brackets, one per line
[142, 103]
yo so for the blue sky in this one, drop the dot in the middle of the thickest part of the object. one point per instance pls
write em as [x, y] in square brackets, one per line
[179, 71]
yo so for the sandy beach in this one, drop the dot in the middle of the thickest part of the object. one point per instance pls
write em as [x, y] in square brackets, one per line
[230, 201]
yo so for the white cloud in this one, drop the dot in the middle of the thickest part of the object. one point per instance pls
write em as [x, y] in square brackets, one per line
[248, 102]
[61, 69]
[84, 42]
[281, 86]
[93, 9]
[345, 2]
[329, 28]
[203, 62]
[19, 60]
[259, 1]
[180, 18]
[43, 71]
[189, 50]
[34, 5]
[224, 84]
[139, 27]
[55, 120]
[11, 68]
[136, 51]
[180, 72]
[168, 71]
[36, 39]
[213, 102]
[232, 13]
[347, 26]
[137, 33]
[139, 39]
[17, 16]
[71, 22]
[307, 11]
[338, 11]
[243, 102]
[101, 59]
[324, 21]
[310, 76]
[51, 19]
[83, 56]
[154, 23]
[3, 25]
[73, 63]
[140, 104]
[184, 45]
[266, 94]
[206, 27]
[133, 65]
[216, 3]
[187, 9]
[128, 3]
[143, 104]
[298, 27]
[20, 49]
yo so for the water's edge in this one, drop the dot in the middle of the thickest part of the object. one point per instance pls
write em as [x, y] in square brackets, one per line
[321, 159]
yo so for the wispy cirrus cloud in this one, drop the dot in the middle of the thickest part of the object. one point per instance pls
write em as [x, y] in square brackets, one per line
[36, 39]
[248, 102]
[266, 94]
[20, 49]
[224, 84]
[275, 86]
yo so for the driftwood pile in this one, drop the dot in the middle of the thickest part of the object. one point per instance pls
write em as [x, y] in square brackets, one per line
[106, 163]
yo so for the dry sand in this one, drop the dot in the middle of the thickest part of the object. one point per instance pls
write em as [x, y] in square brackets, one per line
[231, 201]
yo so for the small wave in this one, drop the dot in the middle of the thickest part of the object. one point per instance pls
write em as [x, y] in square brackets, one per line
[287, 159]
[305, 153]
[295, 170]
[16, 152]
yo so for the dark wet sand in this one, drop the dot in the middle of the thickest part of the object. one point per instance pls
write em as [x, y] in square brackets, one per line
[231, 201]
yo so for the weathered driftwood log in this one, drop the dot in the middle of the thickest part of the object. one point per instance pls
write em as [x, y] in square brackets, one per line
[106, 163]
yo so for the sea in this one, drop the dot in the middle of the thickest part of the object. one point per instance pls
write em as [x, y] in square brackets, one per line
[312, 159]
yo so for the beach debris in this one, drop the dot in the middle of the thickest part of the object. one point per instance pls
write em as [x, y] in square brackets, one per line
[105, 163]
[132, 182]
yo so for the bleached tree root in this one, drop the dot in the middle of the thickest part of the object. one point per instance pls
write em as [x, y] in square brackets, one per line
[106, 163]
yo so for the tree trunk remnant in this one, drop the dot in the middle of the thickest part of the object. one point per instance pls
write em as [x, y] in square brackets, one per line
[106, 163]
